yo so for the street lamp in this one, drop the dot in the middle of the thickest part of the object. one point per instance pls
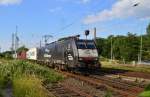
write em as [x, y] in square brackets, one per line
[141, 46]
[136, 4]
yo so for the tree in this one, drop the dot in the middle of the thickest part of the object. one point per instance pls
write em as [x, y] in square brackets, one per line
[23, 48]
[100, 42]
[148, 29]
[125, 47]
[7, 54]
[146, 47]
[133, 44]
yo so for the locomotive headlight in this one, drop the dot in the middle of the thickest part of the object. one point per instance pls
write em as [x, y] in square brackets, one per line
[80, 59]
[96, 59]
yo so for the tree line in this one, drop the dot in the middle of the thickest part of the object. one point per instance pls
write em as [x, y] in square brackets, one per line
[127, 47]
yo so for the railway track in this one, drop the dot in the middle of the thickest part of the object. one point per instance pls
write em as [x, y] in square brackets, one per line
[122, 89]
[133, 81]
[129, 81]
[106, 71]
[118, 84]
[63, 90]
[137, 79]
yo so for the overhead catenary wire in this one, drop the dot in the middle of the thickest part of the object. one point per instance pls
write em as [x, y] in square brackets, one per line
[76, 20]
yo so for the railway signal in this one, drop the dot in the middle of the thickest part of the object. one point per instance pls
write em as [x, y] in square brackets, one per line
[87, 32]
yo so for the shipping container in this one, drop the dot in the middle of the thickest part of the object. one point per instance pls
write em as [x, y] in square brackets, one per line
[32, 54]
[21, 55]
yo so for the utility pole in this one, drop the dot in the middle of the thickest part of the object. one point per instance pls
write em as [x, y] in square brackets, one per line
[15, 42]
[0, 49]
[13, 37]
[40, 43]
[141, 47]
[111, 50]
[46, 38]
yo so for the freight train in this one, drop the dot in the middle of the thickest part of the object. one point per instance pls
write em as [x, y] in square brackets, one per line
[70, 53]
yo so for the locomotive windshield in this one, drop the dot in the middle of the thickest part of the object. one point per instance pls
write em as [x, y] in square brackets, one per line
[85, 45]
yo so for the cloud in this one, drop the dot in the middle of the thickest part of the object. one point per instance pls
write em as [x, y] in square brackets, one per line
[8, 2]
[122, 9]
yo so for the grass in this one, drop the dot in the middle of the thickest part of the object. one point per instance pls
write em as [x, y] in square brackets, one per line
[27, 78]
[29, 86]
[1, 94]
[146, 93]
[108, 94]
[114, 65]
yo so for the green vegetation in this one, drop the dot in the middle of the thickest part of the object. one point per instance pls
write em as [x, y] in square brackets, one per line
[125, 48]
[114, 65]
[22, 48]
[146, 93]
[6, 55]
[108, 94]
[27, 78]
[29, 86]
[148, 29]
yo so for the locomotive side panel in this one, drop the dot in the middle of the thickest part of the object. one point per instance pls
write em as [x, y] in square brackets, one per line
[65, 53]
[58, 53]
[71, 54]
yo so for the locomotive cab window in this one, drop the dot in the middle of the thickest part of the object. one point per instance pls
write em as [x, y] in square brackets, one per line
[85, 45]
[91, 45]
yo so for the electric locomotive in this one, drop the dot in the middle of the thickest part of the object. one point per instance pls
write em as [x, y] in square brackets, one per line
[70, 53]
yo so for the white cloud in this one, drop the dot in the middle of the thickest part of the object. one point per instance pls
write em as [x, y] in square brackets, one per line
[7, 2]
[122, 9]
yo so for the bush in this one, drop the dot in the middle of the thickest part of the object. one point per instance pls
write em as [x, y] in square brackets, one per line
[28, 86]
[146, 93]
[22, 67]
[147, 88]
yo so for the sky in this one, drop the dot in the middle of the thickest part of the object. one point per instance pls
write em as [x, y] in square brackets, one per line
[61, 18]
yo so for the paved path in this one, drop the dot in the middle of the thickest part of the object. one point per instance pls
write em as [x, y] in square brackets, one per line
[8, 90]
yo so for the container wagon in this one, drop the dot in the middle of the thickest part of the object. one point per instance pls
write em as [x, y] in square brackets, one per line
[21, 55]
